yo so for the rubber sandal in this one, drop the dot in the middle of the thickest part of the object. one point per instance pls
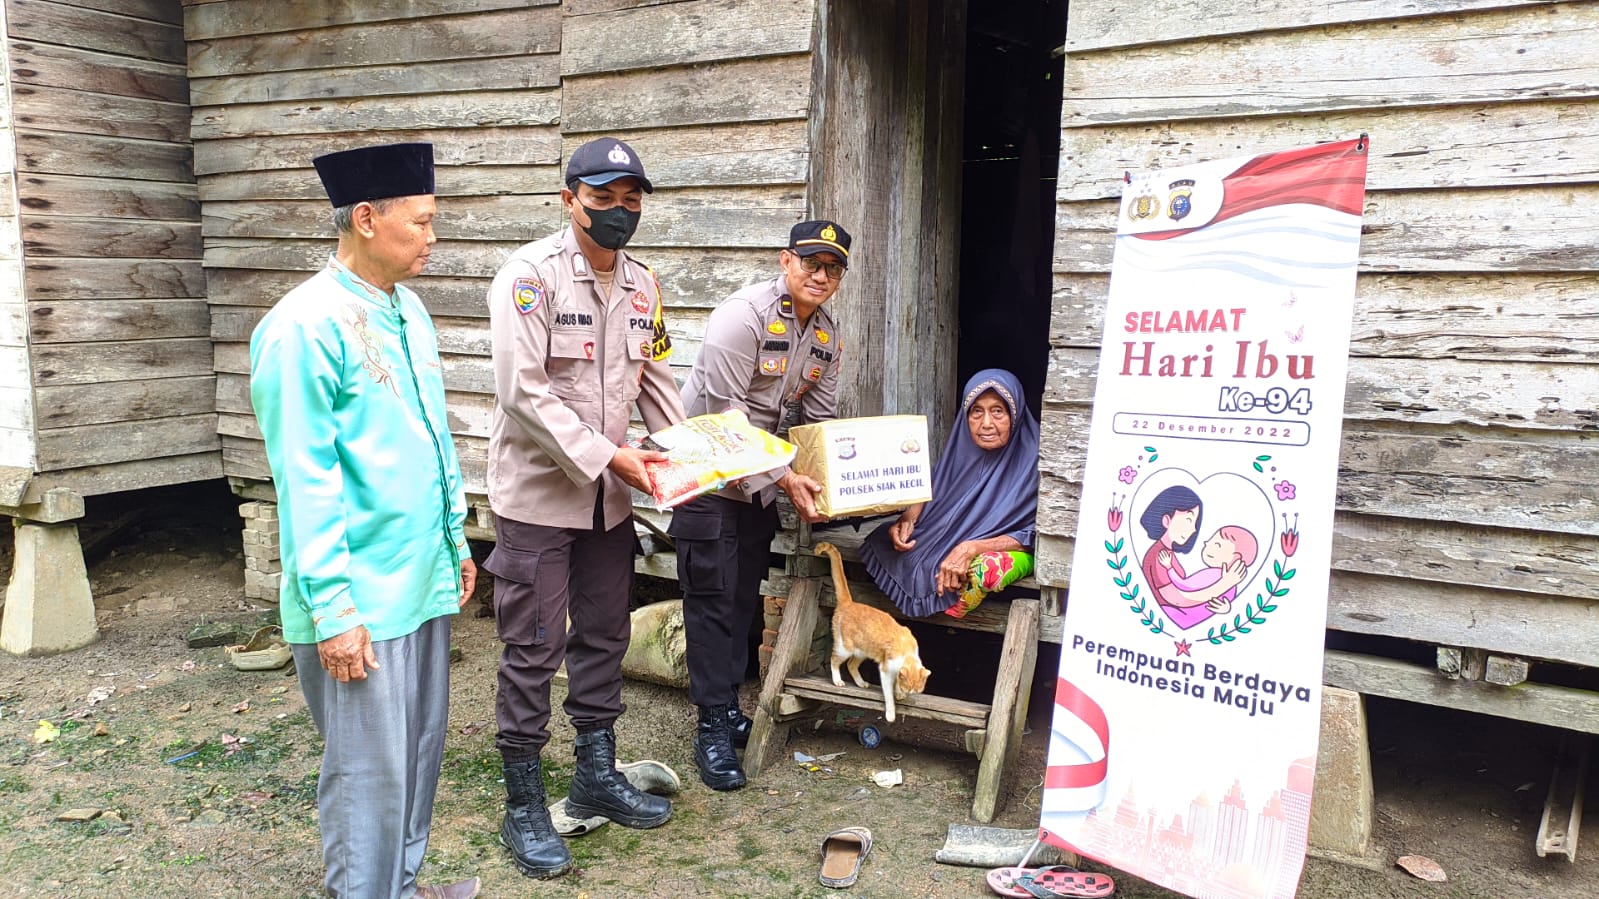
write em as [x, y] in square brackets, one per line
[843, 851]
[651, 776]
[1003, 881]
[645, 774]
[1063, 882]
[264, 651]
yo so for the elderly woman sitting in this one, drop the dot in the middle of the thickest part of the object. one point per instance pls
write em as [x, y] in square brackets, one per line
[975, 536]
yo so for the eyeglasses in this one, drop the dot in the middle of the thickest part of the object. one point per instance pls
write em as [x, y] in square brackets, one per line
[835, 270]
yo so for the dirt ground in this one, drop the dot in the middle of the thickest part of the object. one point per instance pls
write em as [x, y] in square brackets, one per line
[203, 778]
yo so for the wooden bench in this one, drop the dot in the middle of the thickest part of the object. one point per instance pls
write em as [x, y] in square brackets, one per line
[992, 730]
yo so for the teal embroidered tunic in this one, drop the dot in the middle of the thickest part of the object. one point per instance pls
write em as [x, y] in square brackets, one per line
[349, 395]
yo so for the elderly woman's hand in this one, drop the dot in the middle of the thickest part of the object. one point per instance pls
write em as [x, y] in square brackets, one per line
[900, 532]
[956, 569]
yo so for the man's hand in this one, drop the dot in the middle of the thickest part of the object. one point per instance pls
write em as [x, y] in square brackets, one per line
[348, 655]
[628, 463]
[956, 569]
[468, 580]
[802, 491]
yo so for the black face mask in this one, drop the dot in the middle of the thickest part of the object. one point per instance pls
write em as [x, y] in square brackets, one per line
[611, 228]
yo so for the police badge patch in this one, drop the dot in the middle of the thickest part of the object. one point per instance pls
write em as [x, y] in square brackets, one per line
[529, 294]
[1179, 205]
[641, 303]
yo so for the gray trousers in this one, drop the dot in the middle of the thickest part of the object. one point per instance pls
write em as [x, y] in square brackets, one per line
[384, 742]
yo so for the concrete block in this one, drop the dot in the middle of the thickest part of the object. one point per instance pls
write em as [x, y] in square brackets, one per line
[1342, 806]
[262, 564]
[249, 511]
[266, 511]
[250, 537]
[267, 527]
[49, 607]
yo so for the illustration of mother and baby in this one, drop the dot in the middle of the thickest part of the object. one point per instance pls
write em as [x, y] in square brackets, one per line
[1173, 520]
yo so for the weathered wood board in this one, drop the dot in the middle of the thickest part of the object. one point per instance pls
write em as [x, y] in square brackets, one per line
[1463, 510]
[109, 241]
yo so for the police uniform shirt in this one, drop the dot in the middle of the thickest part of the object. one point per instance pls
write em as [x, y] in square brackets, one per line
[569, 364]
[756, 357]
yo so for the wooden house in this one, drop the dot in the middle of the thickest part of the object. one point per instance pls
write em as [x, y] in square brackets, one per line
[106, 380]
[976, 150]
[105, 375]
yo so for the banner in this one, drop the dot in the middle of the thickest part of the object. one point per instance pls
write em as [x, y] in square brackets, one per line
[1188, 704]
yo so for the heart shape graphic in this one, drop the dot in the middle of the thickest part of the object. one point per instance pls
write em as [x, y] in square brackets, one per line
[1229, 503]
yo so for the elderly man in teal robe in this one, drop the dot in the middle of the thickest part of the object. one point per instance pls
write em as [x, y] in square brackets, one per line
[346, 383]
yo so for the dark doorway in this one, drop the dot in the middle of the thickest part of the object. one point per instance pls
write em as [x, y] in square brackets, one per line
[1011, 150]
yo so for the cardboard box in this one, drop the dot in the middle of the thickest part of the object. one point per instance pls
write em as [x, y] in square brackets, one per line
[866, 466]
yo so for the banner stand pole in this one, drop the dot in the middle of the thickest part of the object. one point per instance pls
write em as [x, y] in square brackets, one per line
[1027, 856]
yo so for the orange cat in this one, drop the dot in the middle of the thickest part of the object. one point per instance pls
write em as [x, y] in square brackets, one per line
[861, 632]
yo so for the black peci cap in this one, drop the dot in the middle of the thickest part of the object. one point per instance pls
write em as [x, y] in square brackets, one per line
[810, 238]
[376, 173]
[603, 160]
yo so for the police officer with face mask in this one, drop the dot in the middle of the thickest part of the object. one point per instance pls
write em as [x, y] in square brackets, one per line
[579, 338]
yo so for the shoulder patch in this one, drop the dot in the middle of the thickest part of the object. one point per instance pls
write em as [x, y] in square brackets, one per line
[528, 293]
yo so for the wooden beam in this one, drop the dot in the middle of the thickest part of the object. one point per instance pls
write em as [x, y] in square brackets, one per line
[1454, 230]
[1562, 707]
[505, 73]
[474, 109]
[1425, 315]
[1515, 141]
[916, 705]
[539, 145]
[1012, 692]
[710, 93]
[105, 402]
[511, 32]
[56, 23]
[694, 31]
[73, 68]
[100, 444]
[768, 734]
[55, 153]
[1415, 61]
[118, 477]
[236, 18]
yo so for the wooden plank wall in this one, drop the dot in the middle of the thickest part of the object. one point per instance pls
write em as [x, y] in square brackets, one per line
[16, 385]
[275, 83]
[714, 96]
[488, 83]
[116, 317]
[890, 78]
[1468, 503]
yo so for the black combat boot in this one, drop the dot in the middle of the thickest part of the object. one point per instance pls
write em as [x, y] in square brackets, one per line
[739, 725]
[713, 750]
[599, 790]
[535, 846]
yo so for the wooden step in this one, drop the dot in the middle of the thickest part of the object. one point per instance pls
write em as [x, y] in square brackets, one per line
[919, 705]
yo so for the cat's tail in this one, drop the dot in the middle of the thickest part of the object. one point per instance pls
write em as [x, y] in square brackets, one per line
[840, 586]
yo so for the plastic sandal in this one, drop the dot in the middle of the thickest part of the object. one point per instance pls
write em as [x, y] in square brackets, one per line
[264, 651]
[843, 851]
[1063, 882]
[1003, 881]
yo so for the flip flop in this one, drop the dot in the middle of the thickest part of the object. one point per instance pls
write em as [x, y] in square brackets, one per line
[843, 851]
[651, 776]
[264, 651]
[1003, 881]
[1063, 882]
[645, 774]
